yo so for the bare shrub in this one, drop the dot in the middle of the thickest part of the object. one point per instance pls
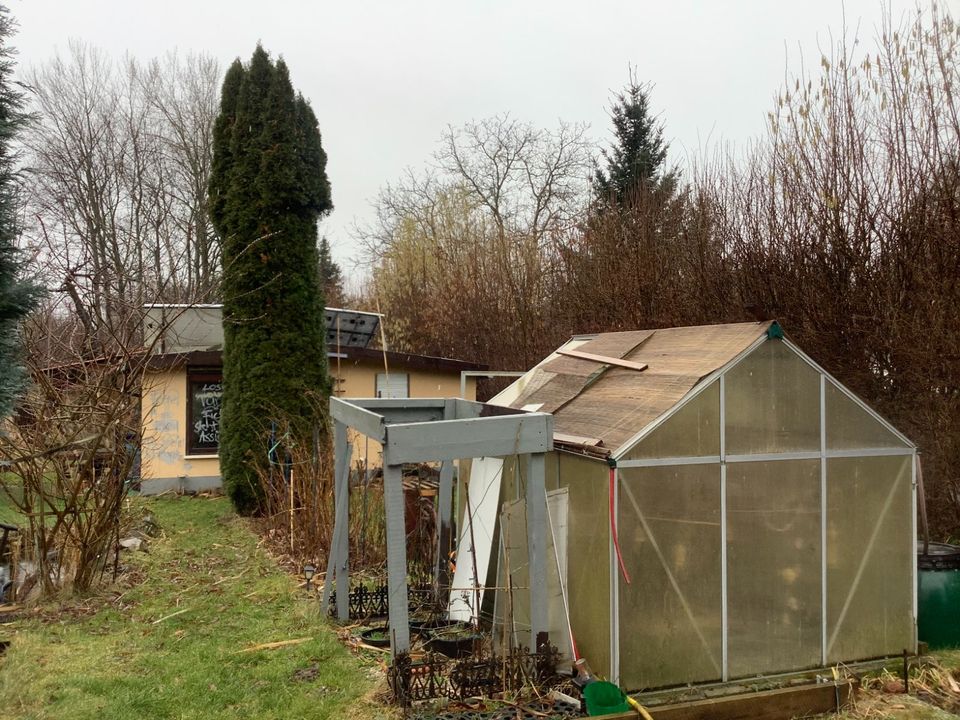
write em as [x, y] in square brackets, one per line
[70, 452]
[843, 223]
[298, 518]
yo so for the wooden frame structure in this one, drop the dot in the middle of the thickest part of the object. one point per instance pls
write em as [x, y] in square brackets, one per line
[434, 430]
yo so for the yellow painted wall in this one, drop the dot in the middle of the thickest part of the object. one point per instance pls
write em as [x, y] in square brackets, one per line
[164, 415]
[164, 418]
[359, 381]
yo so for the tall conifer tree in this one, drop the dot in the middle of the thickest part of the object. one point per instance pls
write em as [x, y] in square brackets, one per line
[331, 277]
[268, 188]
[638, 153]
[17, 296]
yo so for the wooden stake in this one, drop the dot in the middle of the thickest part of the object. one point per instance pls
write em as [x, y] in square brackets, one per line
[290, 482]
[273, 645]
[167, 617]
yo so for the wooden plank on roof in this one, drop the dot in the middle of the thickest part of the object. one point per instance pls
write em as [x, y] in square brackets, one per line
[552, 394]
[566, 365]
[608, 345]
[577, 439]
[616, 344]
[603, 359]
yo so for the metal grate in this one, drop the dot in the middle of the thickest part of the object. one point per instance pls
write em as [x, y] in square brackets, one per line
[368, 602]
[434, 676]
[527, 711]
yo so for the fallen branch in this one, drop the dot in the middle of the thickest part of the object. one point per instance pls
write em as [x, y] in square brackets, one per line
[234, 577]
[273, 645]
[167, 617]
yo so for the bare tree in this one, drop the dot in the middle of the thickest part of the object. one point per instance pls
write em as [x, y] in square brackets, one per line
[115, 201]
[70, 449]
[480, 228]
[118, 162]
[185, 94]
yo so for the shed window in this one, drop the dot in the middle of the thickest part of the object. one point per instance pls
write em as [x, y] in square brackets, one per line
[205, 389]
[394, 385]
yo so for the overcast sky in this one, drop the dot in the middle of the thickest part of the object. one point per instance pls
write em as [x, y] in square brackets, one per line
[385, 78]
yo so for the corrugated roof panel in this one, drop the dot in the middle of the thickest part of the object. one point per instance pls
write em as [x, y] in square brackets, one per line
[611, 403]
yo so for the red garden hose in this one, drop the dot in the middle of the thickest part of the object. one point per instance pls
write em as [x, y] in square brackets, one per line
[613, 523]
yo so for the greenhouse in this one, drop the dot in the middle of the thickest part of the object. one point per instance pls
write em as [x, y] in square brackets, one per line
[718, 507]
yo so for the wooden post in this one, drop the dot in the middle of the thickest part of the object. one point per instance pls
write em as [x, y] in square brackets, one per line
[444, 512]
[393, 501]
[342, 550]
[338, 560]
[537, 545]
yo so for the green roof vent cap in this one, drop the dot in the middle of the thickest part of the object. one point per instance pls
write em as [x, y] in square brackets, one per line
[775, 332]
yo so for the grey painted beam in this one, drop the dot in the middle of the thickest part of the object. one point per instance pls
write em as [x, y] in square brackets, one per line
[396, 555]
[472, 409]
[400, 410]
[378, 404]
[360, 419]
[411, 415]
[341, 550]
[465, 409]
[444, 530]
[537, 545]
[450, 409]
[475, 437]
[340, 447]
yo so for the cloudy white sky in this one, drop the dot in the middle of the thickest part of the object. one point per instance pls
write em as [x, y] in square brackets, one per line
[386, 77]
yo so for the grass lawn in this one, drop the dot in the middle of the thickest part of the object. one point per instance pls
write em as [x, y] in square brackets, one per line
[172, 646]
[170, 641]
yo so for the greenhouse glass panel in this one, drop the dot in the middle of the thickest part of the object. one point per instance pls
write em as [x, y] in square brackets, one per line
[511, 624]
[511, 487]
[849, 426]
[588, 557]
[693, 431]
[773, 566]
[670, 614]
[551, 475]
[870, 552]
[512, 610]
[772, 403]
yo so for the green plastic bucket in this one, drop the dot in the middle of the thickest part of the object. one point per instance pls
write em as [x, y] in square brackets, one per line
[938, 595]
[604, 698]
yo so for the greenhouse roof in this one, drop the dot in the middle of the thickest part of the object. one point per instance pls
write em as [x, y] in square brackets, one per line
[603, 389]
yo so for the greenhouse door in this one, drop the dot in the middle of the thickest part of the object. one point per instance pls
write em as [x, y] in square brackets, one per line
[773, 566]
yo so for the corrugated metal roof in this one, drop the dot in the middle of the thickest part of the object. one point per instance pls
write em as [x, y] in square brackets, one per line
[612, 404]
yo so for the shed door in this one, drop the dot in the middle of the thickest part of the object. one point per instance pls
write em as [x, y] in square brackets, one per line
[394, 385]
[773, 566]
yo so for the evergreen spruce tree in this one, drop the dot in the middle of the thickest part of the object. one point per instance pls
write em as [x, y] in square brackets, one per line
[331, 277]
[17, 296]
[638, 153]
[268, 188]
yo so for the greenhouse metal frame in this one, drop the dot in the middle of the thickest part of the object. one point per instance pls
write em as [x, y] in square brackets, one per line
[725, 459]
[766, 516]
